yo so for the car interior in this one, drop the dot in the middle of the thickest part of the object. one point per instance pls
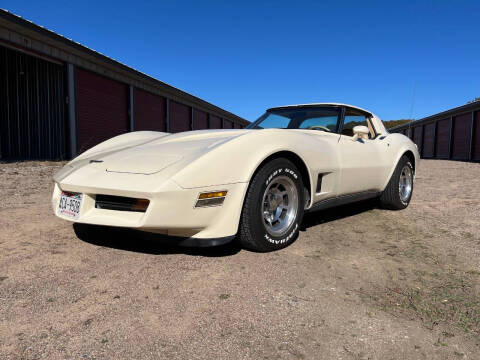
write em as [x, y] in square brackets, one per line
[355, 118]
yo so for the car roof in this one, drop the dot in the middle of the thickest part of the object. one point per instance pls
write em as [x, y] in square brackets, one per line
[320, 105]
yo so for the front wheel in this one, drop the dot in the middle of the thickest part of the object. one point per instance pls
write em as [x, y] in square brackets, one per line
[273, 207]
[398, 193]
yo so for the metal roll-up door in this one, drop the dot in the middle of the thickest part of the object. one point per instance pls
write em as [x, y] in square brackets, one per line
[461, 136]
[32, 107]
[179, 117]
[237, 126]
[227, 124]
[429, 140]
[442, 138]
[102, 109]
[149, 111]
[215, 122]
[476, 137]
[200, 120]
[417, 137]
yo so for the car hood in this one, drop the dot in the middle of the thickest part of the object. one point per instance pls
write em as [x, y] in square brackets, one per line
[156, 155]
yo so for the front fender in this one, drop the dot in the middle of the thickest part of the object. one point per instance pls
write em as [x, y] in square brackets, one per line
[401, 145]
[237, 160]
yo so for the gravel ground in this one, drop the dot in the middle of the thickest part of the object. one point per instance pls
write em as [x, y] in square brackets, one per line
[359, 283]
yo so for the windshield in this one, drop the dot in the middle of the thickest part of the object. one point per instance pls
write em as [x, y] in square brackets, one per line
[313, 118]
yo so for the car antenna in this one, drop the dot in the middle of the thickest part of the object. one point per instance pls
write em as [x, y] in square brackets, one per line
[411, 108]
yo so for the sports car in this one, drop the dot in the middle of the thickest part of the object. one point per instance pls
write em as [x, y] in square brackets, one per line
[209, 187]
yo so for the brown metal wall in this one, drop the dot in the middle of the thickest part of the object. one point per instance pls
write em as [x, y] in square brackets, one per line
[429, 140]
[237, 126]
[149, 111]
[200, 120]
[227, 124]
[417, 137]
[442, 138]
[102, 109]
[461, 136]
[476, 137]
[215, 122]
[179, 117]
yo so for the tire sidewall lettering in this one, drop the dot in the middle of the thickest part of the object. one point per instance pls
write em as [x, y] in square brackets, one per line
[283, 240]
[286, 238]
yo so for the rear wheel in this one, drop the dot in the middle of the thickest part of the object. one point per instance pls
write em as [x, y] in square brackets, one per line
[398, 193]
[273, 207]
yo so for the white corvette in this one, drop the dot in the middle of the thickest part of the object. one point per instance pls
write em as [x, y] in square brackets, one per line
[207, 187]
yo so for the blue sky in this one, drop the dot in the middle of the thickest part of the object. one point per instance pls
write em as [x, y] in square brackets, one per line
[246, 56]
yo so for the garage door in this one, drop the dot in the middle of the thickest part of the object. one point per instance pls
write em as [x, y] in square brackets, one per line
[476, 137]
[149, 111]
[227, 124]
[461, 136]
[102, 109]
[442, 138]
[417, 137]
[237, 126]
[200, 120]
[32, 116]
[215, 122]
[429, 140]
[179, 117]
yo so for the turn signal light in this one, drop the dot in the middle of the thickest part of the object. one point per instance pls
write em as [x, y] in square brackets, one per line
[214, 194]
[140, 205]
[214, 198]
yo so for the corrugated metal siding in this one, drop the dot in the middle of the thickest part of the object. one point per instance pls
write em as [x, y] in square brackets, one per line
[149, 111]
[442, 139]
[179, 117]
[200, 120]
[227, 124]
[102, 109]
[476, 137]
[237, 126]
[215, 122]
[417, 137]
[429, 140]
[32, 113]
[461, 136]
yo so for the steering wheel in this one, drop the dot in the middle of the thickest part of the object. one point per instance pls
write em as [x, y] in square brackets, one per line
[319, 127]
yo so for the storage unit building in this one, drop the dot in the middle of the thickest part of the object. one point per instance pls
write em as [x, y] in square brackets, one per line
[452, 134]
[59, 98]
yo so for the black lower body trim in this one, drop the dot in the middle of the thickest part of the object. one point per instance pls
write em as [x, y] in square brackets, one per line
[205, 242]
[344, 199]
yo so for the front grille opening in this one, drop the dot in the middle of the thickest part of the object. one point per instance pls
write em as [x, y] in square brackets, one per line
[121, 203]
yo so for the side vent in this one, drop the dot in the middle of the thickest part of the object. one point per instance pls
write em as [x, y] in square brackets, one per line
[319, 183]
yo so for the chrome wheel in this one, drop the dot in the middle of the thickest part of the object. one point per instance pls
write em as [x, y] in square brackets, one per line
[280, 205]
[405, 183]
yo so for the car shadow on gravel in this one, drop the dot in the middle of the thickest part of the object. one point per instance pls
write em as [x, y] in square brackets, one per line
[315, 218]
[147, 243]
[157, 244]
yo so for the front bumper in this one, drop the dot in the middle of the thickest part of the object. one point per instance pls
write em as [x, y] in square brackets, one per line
[171, 210]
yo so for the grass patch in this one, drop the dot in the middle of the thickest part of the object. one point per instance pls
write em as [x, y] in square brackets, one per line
[449, 299]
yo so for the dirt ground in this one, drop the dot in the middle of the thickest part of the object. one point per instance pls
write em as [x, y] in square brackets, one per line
[359, 283]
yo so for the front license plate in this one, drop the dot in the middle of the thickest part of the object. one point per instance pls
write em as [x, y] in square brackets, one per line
[70, 204]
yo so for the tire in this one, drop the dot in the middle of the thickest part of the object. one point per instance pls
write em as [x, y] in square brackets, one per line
[273, 207]
[393, 197]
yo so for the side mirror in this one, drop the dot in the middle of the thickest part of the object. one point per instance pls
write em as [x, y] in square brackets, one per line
[360, 131]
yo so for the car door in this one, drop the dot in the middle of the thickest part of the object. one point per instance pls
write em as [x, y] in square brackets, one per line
[322, 123]
[361, 160]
